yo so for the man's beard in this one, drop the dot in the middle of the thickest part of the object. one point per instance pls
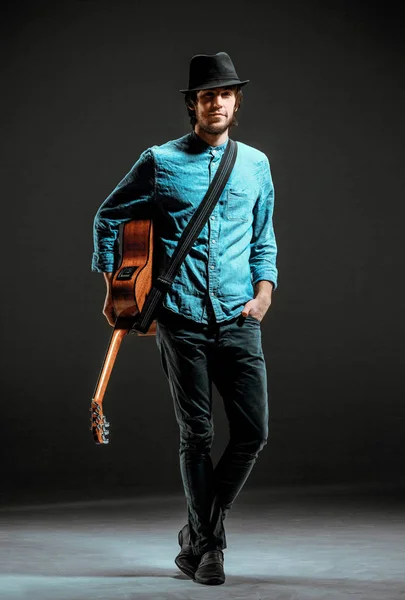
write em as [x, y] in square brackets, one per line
[215, 128]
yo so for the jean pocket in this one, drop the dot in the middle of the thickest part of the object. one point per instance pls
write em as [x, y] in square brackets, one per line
[253, 319]
[237, 205]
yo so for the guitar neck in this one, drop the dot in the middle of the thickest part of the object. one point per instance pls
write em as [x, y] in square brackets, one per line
[121, 328]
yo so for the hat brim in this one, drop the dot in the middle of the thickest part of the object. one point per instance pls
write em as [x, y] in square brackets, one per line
[215, 84]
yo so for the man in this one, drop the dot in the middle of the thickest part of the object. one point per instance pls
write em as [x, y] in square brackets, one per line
[208, 330]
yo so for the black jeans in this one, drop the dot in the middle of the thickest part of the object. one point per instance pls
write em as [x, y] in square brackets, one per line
[230, 355]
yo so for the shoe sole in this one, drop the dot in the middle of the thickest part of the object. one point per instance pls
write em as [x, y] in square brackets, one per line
[211, 581]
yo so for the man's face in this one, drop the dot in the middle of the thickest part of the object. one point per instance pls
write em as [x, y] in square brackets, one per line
[214, 109]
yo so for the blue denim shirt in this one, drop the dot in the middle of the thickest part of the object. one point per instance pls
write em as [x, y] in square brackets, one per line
[235, 249]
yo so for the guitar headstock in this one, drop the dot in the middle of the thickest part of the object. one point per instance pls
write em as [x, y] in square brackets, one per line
[99, 426]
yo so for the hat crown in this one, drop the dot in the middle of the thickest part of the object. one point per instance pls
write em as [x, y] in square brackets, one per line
[212, 70]
[214, 66]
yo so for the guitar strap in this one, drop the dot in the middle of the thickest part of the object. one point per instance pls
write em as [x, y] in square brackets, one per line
[163, 282]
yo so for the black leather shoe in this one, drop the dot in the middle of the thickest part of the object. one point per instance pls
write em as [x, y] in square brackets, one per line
[186, 560]
[210, 570]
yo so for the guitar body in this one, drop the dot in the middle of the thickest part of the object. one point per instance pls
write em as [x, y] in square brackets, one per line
[130, 285]
[132, 280]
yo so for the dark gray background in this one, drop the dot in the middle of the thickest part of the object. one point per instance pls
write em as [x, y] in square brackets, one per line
[87, 86]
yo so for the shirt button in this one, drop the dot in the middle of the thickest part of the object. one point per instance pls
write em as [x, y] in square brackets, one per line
[212, 267]
[212, 218]
[213, 242]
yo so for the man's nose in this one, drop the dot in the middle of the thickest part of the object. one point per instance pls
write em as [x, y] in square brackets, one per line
[218, 100]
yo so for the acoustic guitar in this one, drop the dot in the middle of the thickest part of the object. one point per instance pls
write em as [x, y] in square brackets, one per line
[130, 285]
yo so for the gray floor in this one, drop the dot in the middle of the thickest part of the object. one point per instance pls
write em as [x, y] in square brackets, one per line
[282, 545]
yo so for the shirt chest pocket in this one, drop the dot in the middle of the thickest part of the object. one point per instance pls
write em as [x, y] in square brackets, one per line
[237, 205]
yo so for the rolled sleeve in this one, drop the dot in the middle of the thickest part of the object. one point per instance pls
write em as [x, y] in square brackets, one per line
[132, 199]
[263, 247]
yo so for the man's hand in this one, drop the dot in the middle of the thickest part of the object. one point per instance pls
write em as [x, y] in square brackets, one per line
[260, 304]
[108, 308]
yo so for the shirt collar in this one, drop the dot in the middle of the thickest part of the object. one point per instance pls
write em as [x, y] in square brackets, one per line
[200, 145]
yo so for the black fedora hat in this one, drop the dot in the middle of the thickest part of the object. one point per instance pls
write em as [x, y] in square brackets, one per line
[212, 70]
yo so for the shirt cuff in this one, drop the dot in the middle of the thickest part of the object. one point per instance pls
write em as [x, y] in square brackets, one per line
[270, 276]
[102, 263]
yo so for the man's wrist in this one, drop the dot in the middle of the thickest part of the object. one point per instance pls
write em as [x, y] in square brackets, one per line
[264, 289]
[108, 279]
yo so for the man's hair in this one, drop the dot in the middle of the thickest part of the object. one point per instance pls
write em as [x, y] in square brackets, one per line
[190, 99]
